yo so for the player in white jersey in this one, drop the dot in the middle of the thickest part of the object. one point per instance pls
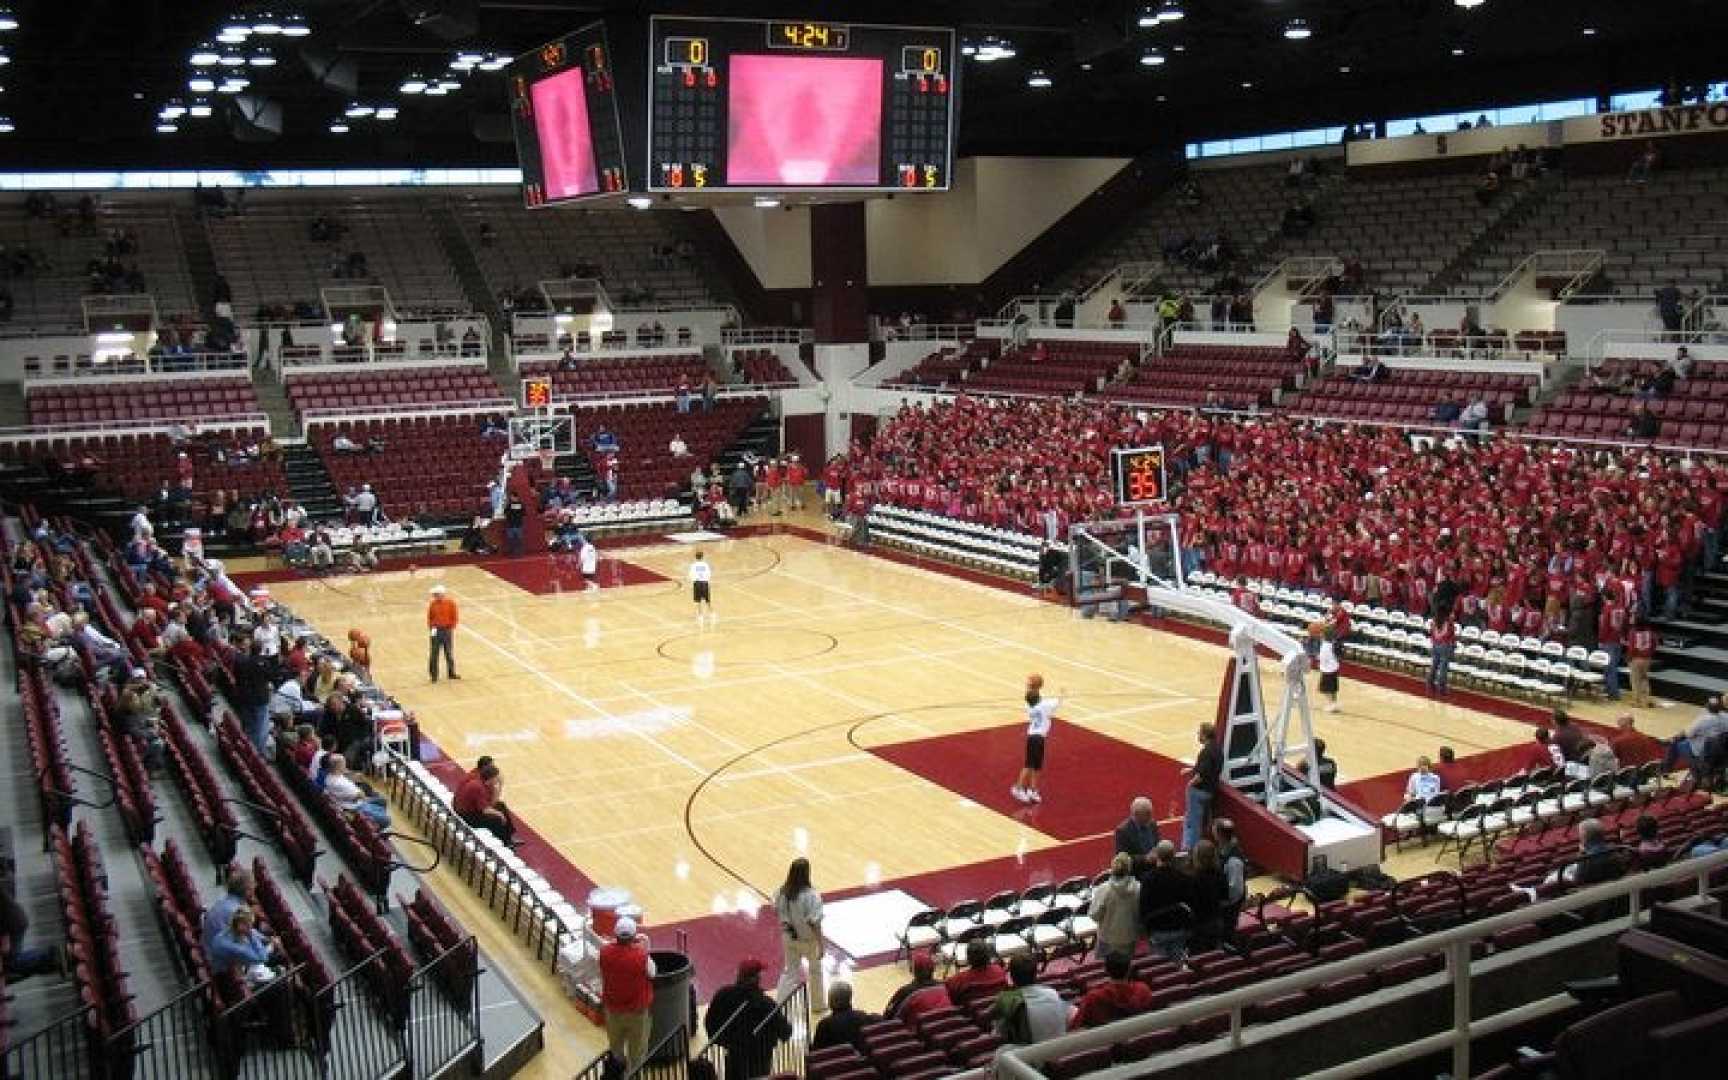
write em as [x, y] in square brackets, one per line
[1040, 713]
[701, 576]
[590, 562]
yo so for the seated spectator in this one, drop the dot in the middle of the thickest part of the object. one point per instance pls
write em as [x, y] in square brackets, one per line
[1451, 774]
[981, 978]
[106, 654]
[605, 441]
[219, 916]
[1326, 766]
[1630, 747]
[242, 950]
[1475, 416]
[1374, 371]
[303, 750]
[1597, 861]
[746, 1023]
[1029, 1012]
[1424, 783]
[1544, 754]
[1692, 747]
[1651, 851]
[678, 447]
[922, 994]
[1120, 997]
[1682, 364]
[342, 444]
[1488, 189]
[844, 1025]
[139, 711]
[351, 797]
[478, 804]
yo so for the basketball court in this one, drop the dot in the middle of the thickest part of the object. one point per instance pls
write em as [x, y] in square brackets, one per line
[860, 709]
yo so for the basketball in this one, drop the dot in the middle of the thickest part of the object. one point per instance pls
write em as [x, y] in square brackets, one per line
[1315, 629]
[1034, 682]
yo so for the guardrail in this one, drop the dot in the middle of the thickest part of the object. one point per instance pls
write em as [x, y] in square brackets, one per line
[1580, 264]
[929, 332]
[140, 365]
[767, 335]
[417, 408]
[42, 432]
[1021, 1063]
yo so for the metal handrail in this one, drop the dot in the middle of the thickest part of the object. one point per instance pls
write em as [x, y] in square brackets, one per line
[1019, 1063]
[38, 432]
[398, 864]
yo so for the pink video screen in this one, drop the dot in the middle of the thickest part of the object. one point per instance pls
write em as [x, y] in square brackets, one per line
[804, 121]
[566, 145]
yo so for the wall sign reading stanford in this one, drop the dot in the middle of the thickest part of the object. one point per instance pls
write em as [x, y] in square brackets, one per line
[1652, 123]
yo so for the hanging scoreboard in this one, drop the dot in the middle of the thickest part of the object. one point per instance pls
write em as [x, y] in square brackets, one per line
[792, 105]
[1139, 476]
[564, 109]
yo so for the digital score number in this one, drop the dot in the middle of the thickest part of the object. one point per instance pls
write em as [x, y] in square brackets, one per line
[1139, 475]
[536, 393]
[822, 37]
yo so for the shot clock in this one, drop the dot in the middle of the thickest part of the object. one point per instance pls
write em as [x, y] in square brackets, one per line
[1139, 477]
[786, 105]
[564, 109]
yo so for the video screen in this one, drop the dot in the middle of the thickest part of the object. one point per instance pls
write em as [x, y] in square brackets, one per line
[804, 121]
[566, 144]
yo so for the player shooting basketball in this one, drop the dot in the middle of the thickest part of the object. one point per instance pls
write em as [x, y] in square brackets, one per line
[1040, 714]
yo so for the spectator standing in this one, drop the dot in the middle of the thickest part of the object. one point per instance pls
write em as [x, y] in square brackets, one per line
[1165, 911]
[1443, 639]
[1202, 786]
[442, 618]
[1235, 869]
[1138, 835]
[254, 682]
[1329, 667]
[18, 960]
[746, 1024]
[798, 906]
[1115, 907]
[514, 516]
[627, 994]
[1640, 649]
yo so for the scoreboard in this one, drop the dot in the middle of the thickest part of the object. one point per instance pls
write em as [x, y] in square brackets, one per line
[1138, 475]
[792, 105]
[564, 109]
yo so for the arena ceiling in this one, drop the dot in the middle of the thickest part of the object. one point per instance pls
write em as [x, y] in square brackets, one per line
[87, 79]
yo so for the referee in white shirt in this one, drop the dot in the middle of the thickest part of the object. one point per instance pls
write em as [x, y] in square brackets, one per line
[701, 578]
[1040, 712]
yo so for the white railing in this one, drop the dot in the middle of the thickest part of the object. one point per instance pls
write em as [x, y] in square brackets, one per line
[143, 365]
[86, 428]
[346, 413]
[1580, 264]
[1128, 277]
[1306, 268]
[767, 335]
[1020, 1063]
[360, 358]
[1597, 348]
[728, 392]
[930, 332]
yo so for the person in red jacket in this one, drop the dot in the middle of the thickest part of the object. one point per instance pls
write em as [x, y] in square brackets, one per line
[981, 980]
[1120, 997]
[477, 803]
[627, 993]
[796, 477]
[1640, 648]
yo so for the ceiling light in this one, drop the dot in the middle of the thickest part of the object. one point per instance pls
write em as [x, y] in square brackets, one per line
[8, 21]
[295, 26]
[968, 50]
[262, 58]
[200, 84]
[1147, 18]
[413, 84]
[1151, 58]
[386, 112]
[436, 90]
[338, 127]
[233, 37]
[494, 62]
[174, 110]
[1458, 50]
[1038, 80]
[205, 55]
[466, 61]
[236, 24]
[231, 57]
[1162, 98]
[5, 58]
[357, 110]
[1344, 69]
[6, 126]
[1170, 12]
[266, 23]
[766, 202]
[1086, 65]
[1247, 86]
[1468, 5]
[447, 84]
[1589, 31]
[198, 109]
[167, 129]
[233, 86]
[1298, 30]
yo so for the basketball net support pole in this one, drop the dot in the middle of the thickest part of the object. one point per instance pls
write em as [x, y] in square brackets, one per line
[1261, 753]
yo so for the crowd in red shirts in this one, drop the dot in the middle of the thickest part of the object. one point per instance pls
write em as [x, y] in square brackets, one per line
[1546, 540]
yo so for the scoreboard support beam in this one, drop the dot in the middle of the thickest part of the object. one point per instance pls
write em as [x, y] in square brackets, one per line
[839, 273]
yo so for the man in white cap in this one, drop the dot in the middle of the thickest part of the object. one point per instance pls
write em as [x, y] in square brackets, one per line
[441, 620]
[627, 993]
[366, 505]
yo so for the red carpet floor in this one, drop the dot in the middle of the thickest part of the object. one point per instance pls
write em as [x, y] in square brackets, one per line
[1089, 779]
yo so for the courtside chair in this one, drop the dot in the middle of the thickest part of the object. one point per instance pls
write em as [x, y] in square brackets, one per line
[1000, 908]
[1461, 831]
[924, 930]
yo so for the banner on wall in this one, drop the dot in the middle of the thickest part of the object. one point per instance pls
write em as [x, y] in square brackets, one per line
[1650, 123]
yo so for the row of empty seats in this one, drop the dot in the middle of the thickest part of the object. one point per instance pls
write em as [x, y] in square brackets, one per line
[419, 386]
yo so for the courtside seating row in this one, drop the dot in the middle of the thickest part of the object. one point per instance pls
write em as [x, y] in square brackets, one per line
[138, 466]
[437, 464]
[622, 374]
[1400, 639]
[400, 387]
[762, 366]
[946, 365]
[1194, 374]
[999, 550]
[646, 467]
[145, 400]
[637, 514]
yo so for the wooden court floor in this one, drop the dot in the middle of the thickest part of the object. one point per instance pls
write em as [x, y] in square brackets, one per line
[689, 762]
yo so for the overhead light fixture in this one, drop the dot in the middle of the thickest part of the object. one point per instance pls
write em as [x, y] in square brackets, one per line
[1152, 58]
[174, 110]
[6, 126]
[1298, 30]
[233, 84]
[1147, 19]
[199, 109]
[233, 37]
[200, 84]
[1247, 86]
[1171, 12]
[1589, 31]
[338, 127]
[1162, 98]
[640, 202]
[237, 24]
[266, 24]
[765, 202]
[413, 84]
[205, 55]
[232, 57]
[5, 58]
[494, 62]
[968, 50]
[436, 90]
[166, 128]
[385, 112]
[448, 84]
[8, 21]
[295, 26]
[355, 110]
[262, 58]
[1457, 50]
[1344, 69]
[1469, 5]
[1086, 65]
[467, 61]
[1038, 80]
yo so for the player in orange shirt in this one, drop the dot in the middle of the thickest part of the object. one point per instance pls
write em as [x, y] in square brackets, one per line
[796, 477]
[441, 620]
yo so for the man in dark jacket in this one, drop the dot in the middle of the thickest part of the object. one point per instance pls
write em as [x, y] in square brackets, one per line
[254, 682]
[745, 1022]
[1164, 899]
[844, 1025]
[1137, 836]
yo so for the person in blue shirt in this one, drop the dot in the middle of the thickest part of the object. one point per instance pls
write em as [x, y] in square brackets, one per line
[237, 894]
[241, 947]
[605, 441]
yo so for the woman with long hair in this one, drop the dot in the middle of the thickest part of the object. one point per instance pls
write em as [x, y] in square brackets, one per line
[799, 908]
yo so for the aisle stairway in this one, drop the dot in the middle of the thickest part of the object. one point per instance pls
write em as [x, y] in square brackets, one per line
[1692, 662]
[309, 482]
[200, 257]
[273, 398]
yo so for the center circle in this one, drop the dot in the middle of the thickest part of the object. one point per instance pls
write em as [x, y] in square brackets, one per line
[750, 645]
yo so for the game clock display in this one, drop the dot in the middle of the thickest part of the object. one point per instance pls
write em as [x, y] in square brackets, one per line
[564, 108]
[1139, 475]
[783, 105]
